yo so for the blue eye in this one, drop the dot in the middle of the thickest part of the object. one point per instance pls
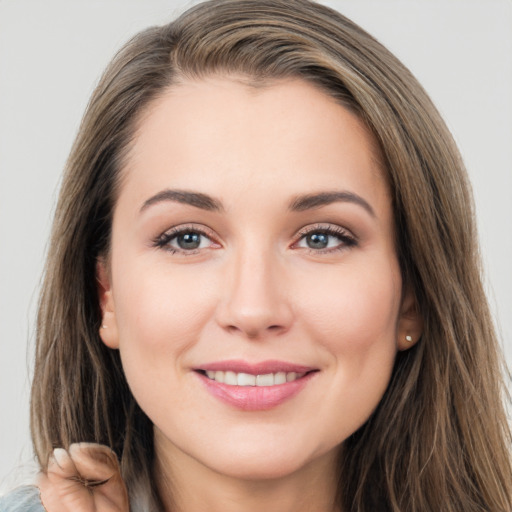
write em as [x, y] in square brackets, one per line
[326, 239]
[317, 240]
[188, 241]
[184, 240]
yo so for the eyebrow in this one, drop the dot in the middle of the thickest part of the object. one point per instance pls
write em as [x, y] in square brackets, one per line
[197, 199]
[319, 199]
[298, 204]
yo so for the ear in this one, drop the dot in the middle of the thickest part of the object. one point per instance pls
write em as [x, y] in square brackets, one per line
[108, 329]
[410, 322]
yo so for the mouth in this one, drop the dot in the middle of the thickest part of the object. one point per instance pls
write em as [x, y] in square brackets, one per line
[231, 378]
[254, 387]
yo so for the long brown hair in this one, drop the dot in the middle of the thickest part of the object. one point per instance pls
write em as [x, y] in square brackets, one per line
[439, 440]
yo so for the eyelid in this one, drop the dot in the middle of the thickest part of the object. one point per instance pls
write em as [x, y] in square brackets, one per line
[346, 237]
[162, 240]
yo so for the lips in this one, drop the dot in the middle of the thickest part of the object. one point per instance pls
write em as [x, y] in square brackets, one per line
[253, 387]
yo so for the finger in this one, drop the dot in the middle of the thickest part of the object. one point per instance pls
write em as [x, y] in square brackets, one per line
[99, 469]
[86, 478]
[61, 468]
[94, 462]
[59, 490]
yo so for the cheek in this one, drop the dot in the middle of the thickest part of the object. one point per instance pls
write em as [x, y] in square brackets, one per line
[354, 312]
[160, 315]
[355, 326]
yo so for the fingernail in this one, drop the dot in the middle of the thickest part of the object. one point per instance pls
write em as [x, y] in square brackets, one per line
[60, 455]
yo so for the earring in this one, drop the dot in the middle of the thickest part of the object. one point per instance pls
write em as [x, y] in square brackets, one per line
[408, 339]
[103, 326]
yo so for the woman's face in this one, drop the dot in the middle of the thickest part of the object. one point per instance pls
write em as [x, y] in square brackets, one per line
[254, 290]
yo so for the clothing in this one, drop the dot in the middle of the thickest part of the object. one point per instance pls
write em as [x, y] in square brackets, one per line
[22, 499]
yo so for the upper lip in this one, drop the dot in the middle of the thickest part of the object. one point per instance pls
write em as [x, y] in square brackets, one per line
[261, 368]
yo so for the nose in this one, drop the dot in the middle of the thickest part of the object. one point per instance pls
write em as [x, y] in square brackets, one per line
[255, 303]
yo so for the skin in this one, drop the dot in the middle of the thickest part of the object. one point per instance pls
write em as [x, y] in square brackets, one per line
[61, 486]
[254, 290]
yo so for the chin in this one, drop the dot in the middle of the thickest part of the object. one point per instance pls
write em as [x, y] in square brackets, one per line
[268, 461]
[261, 469]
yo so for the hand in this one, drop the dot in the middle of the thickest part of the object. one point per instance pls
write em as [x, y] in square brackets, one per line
[86, 478]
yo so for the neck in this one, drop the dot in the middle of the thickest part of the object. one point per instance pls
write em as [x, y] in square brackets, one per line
[186, 485]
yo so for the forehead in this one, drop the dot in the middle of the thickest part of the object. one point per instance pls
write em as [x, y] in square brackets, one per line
[222, 136]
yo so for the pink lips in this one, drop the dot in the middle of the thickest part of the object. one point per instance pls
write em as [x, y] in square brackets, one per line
[255, 398]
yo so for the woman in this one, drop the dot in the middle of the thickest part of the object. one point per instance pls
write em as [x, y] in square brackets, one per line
[263, 284]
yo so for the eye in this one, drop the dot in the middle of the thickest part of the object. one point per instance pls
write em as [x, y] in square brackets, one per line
[325, 238]
[185, 240]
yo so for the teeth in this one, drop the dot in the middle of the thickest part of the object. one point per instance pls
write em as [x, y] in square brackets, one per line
[291, 376]
[246, 379]
[230, 378]
[265, 380]
[280, 378]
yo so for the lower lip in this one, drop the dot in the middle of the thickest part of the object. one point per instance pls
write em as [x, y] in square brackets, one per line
[255, 398]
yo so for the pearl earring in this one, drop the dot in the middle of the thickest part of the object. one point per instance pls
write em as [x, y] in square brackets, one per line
[408, 339]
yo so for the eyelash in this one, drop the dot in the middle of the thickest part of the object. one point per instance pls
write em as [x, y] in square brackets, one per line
[346, 239]
[163, 241]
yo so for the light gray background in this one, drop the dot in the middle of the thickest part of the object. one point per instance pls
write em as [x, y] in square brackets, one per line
[52, 53]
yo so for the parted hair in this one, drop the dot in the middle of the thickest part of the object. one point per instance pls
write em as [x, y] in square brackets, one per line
[439, 440]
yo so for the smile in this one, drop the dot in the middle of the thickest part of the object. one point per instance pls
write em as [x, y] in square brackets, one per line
[246, 379]
[254, 387]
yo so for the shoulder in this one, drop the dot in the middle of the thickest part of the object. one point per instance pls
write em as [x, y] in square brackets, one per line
[22, 499]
